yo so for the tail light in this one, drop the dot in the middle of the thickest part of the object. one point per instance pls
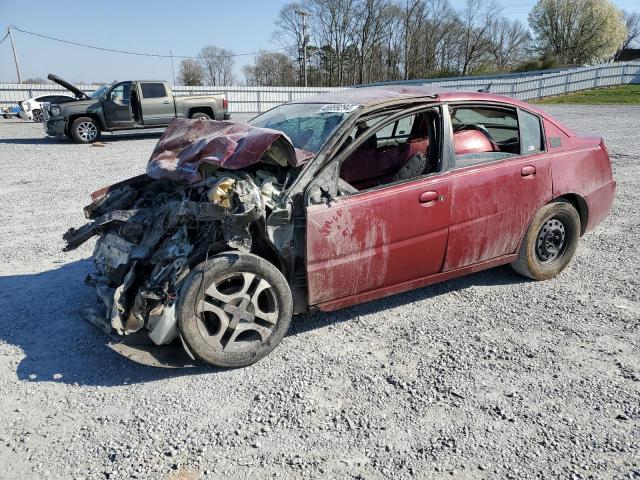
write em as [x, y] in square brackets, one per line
[225, 103]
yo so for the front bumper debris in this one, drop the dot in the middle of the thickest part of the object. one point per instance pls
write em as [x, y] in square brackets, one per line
[153, 232]
[54, 128]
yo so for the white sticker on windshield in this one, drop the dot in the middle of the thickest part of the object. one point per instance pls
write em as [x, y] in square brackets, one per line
[338, 108]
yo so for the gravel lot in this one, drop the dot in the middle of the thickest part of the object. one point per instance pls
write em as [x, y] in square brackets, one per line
[488, 376]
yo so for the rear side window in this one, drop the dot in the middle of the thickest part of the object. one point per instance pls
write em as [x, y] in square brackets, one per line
[153, 90]
[484, 134]
[531, 133]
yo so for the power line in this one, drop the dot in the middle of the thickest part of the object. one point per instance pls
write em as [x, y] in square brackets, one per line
[5, 37]
[142, 54]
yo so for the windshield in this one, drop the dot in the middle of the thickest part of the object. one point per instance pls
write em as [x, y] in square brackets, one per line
[98, 93]
[308, 125]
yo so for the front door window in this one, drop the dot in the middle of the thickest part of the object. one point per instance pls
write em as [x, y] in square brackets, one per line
[121, 94]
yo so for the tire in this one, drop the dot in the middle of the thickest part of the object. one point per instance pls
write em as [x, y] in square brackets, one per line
[550, 242]
[201, 115]
[218, 304]
[85, 130]
[37, 116]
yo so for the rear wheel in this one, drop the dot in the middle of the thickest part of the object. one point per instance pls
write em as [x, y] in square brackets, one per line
[37, 116]
[550, 242]
[85, 130]
[201, 115]
[234, 309]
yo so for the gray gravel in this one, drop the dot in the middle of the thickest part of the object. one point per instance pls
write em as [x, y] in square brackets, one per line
[488, 376]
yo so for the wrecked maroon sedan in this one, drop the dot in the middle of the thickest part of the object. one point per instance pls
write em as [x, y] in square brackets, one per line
[328, 202]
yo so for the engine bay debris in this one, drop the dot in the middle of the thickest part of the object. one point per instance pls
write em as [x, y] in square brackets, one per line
[210, 186]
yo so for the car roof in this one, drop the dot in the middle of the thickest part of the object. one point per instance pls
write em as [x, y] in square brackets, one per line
[380, 94]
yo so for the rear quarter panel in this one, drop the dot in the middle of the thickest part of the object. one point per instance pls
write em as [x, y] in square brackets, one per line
[184, 104]
[581, 166]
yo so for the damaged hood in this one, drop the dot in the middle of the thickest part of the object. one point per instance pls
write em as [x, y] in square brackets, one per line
[186, 145]
[80, 95]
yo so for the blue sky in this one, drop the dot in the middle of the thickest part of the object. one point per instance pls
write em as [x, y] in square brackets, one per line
[148, 26]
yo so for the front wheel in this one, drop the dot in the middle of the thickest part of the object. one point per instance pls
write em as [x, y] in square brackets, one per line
[550, 241]
[234, 309]
[85, 130]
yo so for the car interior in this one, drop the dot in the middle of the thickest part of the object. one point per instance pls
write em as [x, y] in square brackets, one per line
[484, 134]
[404, 149]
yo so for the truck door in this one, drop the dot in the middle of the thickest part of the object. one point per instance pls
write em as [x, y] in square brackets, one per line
[116, 106]
[157, 104]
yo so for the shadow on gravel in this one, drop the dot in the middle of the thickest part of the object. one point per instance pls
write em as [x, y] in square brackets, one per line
[42, 317]
[503, 275]
[106, 139]
[34, 141]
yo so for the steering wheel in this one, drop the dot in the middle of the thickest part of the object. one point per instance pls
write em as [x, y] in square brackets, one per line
[480, 128]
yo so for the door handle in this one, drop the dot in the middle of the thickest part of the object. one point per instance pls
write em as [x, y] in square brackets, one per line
[428, 197]
[166, 102]
[528, 171]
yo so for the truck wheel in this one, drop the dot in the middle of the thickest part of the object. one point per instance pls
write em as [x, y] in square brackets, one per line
[37, 116]
[234, 309]
[201, 115]
[85, 130]
[550, 241]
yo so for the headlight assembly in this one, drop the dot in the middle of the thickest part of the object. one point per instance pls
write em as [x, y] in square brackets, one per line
[55, 111]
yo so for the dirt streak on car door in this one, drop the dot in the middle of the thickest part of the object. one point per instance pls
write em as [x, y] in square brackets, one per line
[492, 205]
[377, 238]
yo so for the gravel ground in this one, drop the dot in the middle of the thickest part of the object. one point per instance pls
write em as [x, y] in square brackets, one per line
[488, 376]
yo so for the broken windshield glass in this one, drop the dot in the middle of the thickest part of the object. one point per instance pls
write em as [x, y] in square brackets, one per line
[308, 125]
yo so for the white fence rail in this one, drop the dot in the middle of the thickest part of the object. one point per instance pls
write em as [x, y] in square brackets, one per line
[524, 86]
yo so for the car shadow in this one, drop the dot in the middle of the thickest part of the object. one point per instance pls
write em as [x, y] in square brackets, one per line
[42, 317]
[106, 139]
[502, 275]
[34, 141]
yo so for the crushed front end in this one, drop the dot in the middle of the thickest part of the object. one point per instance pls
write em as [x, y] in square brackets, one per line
[209, 187]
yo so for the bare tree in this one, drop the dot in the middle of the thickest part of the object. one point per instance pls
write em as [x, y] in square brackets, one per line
[270, 69]
[191, 73]
[218, 65]
[632, 22]
[476, 19]
[289, 32]
[509, 42]
[36, 81]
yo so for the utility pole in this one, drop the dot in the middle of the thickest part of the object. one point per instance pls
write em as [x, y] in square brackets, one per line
[173, 72]
[15, 55]
[304, 40]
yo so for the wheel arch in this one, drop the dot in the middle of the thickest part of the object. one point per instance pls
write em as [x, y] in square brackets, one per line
[580, 205]
[202, 109]
[75, 116]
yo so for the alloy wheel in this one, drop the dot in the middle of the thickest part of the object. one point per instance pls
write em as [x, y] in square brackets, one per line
[238, 313]
[37, 116]
[87, 131]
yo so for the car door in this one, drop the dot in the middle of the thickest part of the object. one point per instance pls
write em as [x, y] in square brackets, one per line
[116, 106]
[495, 194]
[377, 238]
[156, 103]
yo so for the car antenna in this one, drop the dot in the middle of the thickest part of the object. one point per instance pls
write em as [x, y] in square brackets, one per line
[486, 89]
